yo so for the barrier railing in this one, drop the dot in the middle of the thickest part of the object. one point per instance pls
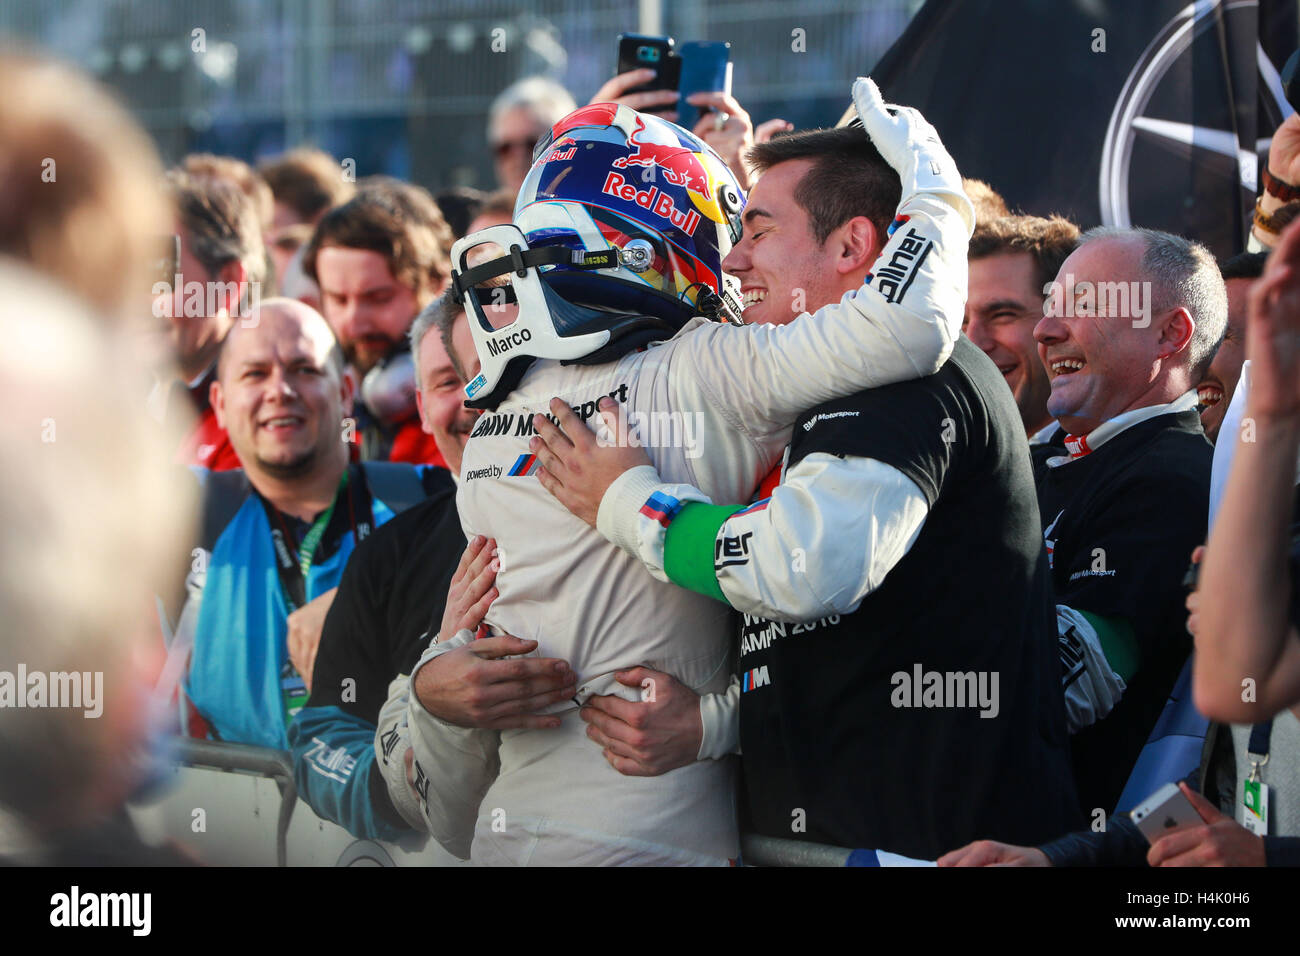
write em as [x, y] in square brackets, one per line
[245, 758]
[229, 804]
[277, 765]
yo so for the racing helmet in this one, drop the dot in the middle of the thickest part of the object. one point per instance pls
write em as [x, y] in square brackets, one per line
[618, 238]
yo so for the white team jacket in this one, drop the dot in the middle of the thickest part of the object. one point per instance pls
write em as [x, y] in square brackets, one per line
[718, 402]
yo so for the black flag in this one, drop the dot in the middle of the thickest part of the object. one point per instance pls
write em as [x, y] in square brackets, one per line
[1110, 112]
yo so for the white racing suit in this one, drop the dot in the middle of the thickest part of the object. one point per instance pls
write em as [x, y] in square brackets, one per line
[718, 402]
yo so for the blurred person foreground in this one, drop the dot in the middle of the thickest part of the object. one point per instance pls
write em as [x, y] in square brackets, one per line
[89, 534]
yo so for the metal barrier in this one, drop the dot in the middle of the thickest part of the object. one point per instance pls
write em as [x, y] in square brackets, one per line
[331, 843]
[243, 758]
[247, 801]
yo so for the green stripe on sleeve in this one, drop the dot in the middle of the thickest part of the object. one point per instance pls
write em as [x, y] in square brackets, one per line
[1118, 643]
[689, 546]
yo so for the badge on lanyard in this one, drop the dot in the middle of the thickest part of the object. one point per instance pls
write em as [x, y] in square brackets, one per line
[1254, 792]
[294, 691]
[1254, 804]
[293, 580]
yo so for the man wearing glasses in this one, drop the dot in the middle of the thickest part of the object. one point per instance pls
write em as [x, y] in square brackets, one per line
[517, 119]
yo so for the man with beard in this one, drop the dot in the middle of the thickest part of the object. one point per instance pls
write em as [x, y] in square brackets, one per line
[276, 533]
[379, 259]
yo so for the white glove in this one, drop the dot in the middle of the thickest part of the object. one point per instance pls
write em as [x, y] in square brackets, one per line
[911, 145]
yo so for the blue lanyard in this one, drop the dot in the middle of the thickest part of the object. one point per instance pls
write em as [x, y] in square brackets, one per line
[293, 564]
[1260, 735]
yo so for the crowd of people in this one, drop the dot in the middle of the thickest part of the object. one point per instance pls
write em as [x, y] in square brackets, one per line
[736, 479]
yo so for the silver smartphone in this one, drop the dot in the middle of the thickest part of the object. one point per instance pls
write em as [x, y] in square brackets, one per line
[1166, 810]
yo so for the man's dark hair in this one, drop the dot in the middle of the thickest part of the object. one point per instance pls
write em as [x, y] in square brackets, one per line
[848, 177]
[238, 173]
[400, 222]
[1244, 265]
[499, 203]
[220, 221]
[1048, 241]
[409, 200]
[308, 181]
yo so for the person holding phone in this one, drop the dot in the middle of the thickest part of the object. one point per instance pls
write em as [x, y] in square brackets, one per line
[1213, 791]
[726, 127]
[1246, 793]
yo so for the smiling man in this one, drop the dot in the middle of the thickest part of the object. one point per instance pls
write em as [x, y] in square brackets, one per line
[1216, 388]
[1012, 260]
[745, 385]
[808, 238]
[444, 362]
[851, 572]
[276, 533]
[1125, 504]
[280, 389]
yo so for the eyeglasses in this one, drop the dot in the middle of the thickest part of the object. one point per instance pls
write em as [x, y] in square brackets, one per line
[501, 149]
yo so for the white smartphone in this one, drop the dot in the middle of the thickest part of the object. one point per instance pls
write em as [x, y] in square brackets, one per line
[1166, 810]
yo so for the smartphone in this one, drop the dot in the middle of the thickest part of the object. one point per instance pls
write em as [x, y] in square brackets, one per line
[1166, 810]
[706, 68]
[637, 51]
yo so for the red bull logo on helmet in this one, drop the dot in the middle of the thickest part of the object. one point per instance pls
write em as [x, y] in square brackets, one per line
[558, 151]
[680, 165]
[661, 204]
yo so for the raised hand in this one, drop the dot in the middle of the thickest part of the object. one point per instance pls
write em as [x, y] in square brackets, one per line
[616, 89]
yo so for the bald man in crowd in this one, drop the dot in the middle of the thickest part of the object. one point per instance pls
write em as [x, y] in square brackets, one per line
[277, 532]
